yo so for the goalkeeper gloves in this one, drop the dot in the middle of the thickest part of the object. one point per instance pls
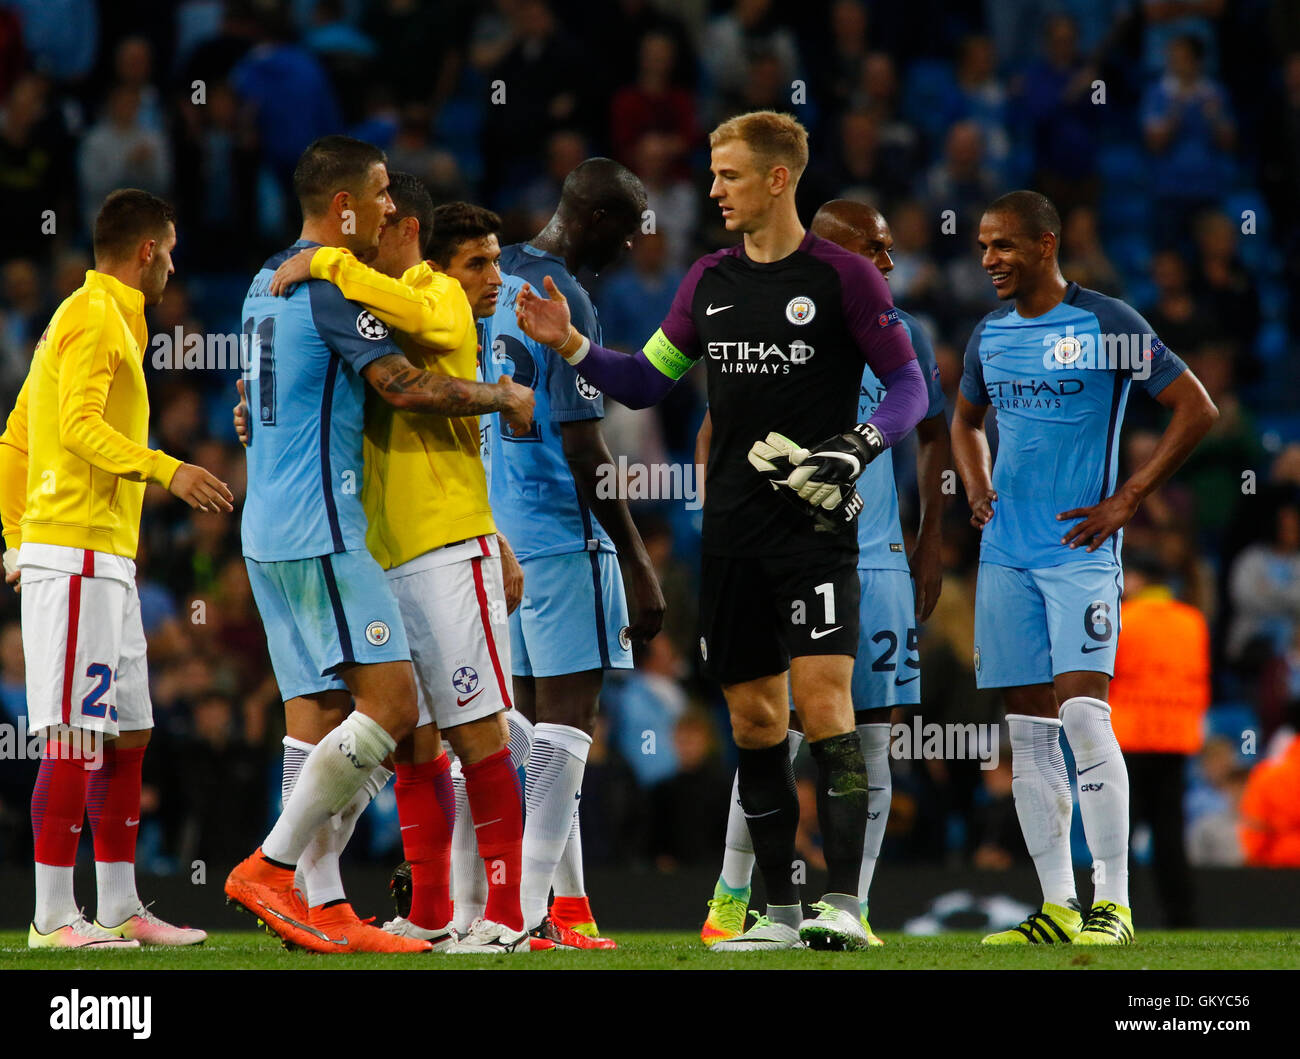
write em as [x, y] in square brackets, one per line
[777, 457]
[823, 474]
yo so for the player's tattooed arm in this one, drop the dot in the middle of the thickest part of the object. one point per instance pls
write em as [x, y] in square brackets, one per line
[1193, 415]
[404, 386]
[970, 452]
[587, 453]
[933, 458]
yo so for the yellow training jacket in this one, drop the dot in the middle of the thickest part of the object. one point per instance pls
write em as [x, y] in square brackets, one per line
[424, 484]
[73, 457]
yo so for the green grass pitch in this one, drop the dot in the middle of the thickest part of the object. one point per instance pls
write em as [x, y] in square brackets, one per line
[1155, 950]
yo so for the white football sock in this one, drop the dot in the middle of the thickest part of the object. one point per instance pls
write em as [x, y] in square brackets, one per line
[738, 856]
[469, 889]
[295, 753]
[568, 880]
[334, 771]
[319, 863]
[1103, 794]
[116, 899]
[880, 792]
[56, 904]
[551, 793]
[520, 732]
[1040, 785]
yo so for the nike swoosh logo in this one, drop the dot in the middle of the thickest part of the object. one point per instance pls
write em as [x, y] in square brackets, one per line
[876, 788]
[759, 816]
[899, 683]
[466, 702]
[1095, 647]
[76, 830]
[845, 794]
[407, 827]
[496, 821]
[817, 634]
[1080, 772]
[132, 823]
[272, 913]
[711, 310]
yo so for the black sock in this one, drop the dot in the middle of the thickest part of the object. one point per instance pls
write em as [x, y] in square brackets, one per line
[841, 808]
[771, 807]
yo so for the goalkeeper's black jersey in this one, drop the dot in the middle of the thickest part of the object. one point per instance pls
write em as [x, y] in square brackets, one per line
[784, 343]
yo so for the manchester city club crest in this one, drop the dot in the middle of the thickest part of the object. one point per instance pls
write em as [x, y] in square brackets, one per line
[800, 310]
[1067, 350]
[624, 640]
[370, 327]
[377, 633]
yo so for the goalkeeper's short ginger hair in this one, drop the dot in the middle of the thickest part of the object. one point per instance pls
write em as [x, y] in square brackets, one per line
[775, 138]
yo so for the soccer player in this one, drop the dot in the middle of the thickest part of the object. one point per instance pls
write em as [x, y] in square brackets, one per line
[887, 672]
[431, 529]
[571, 541]
[328, 609]
[784, 322]
[1057, 361]
[74, 463]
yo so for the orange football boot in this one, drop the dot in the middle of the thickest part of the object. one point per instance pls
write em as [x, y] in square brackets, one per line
[265, 891]
[340, 921]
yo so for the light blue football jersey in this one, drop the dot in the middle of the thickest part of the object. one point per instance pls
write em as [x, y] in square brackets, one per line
[880, 532]
[1059, 383]
[306, 401]
[535, 501]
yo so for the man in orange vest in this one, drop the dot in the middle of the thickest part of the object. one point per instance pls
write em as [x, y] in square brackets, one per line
[1158, 700]
[1270, 807]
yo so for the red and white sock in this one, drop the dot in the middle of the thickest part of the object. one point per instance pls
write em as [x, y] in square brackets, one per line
[58, 813]
[113, 802]
[426, 810]
[496, 805]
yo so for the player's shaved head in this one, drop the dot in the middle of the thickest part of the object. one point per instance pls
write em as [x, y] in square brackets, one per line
[412, 199]
[602, 184]
[330, 165]
[1035, 213]
[840, 219]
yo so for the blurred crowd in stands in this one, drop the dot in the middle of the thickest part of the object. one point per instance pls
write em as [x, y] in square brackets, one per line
[1167, 132]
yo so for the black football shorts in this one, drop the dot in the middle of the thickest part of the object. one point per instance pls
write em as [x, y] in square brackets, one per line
[758, 612]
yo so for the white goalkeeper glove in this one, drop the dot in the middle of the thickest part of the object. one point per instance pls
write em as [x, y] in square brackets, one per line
[777, 457]
[821, 476]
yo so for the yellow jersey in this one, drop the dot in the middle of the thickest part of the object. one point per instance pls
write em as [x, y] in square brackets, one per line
[74, 458]
[423, 485]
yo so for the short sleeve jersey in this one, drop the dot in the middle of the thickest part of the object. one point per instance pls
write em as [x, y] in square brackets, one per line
[1059, 383]
[535, 500]
[784, 343]
[306, 398]
[880, 532]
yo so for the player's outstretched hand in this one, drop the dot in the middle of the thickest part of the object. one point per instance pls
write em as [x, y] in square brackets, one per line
[512, 574]
[516, 405]
[1100, 522]
[836, 462]
[545, 320]
[981, 508]
[648, 611]
[294, 270]
[240, 412]
[201, 489]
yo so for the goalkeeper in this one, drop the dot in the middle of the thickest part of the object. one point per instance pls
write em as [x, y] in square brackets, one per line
[785, 322]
